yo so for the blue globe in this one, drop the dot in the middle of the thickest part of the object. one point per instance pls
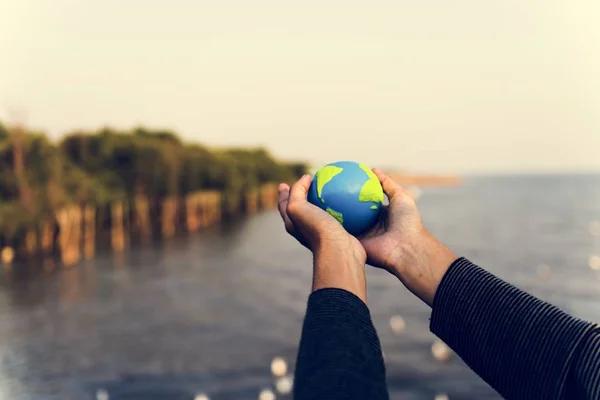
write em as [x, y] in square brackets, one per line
[350, 192]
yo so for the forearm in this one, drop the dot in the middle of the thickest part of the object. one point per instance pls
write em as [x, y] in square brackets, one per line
[523, 347]
[339, 355]
[339, 269]
[420, 262]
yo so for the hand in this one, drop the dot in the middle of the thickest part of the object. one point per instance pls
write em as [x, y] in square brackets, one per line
[400, 244]
[339, 258]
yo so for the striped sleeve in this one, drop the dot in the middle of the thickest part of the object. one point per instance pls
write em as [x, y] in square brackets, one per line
[584, 379]
[521, 346]
[339, 355]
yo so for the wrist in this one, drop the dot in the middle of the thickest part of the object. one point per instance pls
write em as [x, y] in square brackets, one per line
[421, 263]
[339, 251]
[342, 269]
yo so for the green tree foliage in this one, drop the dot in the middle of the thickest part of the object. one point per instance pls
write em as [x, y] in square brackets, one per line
[106, 165]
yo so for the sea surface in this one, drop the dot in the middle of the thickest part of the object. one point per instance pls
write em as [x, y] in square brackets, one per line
[207, 313]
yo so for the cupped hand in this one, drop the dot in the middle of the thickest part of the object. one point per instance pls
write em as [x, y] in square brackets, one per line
[400, 244]
[313, 227]
[339, 258]
[399, 224]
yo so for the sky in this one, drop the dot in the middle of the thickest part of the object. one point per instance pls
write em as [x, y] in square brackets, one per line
[461, 86]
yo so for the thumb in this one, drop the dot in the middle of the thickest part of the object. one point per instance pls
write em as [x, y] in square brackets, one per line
[298, 205]
[306, 216]
[390, 188]
[299, 191]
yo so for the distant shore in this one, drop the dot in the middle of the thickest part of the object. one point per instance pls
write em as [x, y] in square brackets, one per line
[406, 179]
[412, 179]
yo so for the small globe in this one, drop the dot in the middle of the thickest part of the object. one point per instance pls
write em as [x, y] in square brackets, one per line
[350, 192]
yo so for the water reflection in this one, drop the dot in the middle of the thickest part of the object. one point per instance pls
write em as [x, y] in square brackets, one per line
[102, 394]
[397, 324]
[266, 394]
[284, 384]
[71, 284]
[441, 351]
[278, 367]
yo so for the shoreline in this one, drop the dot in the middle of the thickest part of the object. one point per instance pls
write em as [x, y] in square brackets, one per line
[424, 180]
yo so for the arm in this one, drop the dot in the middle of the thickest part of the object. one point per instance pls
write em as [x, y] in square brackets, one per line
[523, 347]
[339, 355]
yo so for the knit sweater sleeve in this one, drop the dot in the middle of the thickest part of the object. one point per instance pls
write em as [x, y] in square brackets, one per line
[339, 355]
[521, 346]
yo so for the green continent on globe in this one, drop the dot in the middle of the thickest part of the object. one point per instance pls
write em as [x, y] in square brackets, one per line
[336, 215]
[371, 190]
[324, 175]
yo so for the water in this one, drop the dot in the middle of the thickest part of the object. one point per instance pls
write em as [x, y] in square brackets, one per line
[207, 313]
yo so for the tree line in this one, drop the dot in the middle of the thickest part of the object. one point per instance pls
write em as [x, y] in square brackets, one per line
[39, 176]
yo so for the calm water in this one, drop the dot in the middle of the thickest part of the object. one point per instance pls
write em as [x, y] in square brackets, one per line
[208, 313]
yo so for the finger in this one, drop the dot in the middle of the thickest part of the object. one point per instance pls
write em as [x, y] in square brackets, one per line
[284, 196]
[380, 225]
[391, 188]
[299, 190]
[282, 203]
[307, 218]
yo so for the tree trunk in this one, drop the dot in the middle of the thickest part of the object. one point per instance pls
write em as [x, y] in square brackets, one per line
[169, 216]
[117, 233]
[142, 217]
[25, 196]
[89, 231]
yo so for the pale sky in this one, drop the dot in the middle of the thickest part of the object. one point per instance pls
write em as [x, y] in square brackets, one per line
[432, 86]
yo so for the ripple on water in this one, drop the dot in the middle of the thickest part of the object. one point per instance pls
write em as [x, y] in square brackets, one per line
[266, 394]
[278, 366]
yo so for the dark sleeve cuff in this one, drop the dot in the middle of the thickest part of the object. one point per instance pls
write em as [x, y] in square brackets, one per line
[339, 354]
[520, 345]
[343, 309]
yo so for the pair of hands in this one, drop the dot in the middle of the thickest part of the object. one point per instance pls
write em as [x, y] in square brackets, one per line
[397, 243]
